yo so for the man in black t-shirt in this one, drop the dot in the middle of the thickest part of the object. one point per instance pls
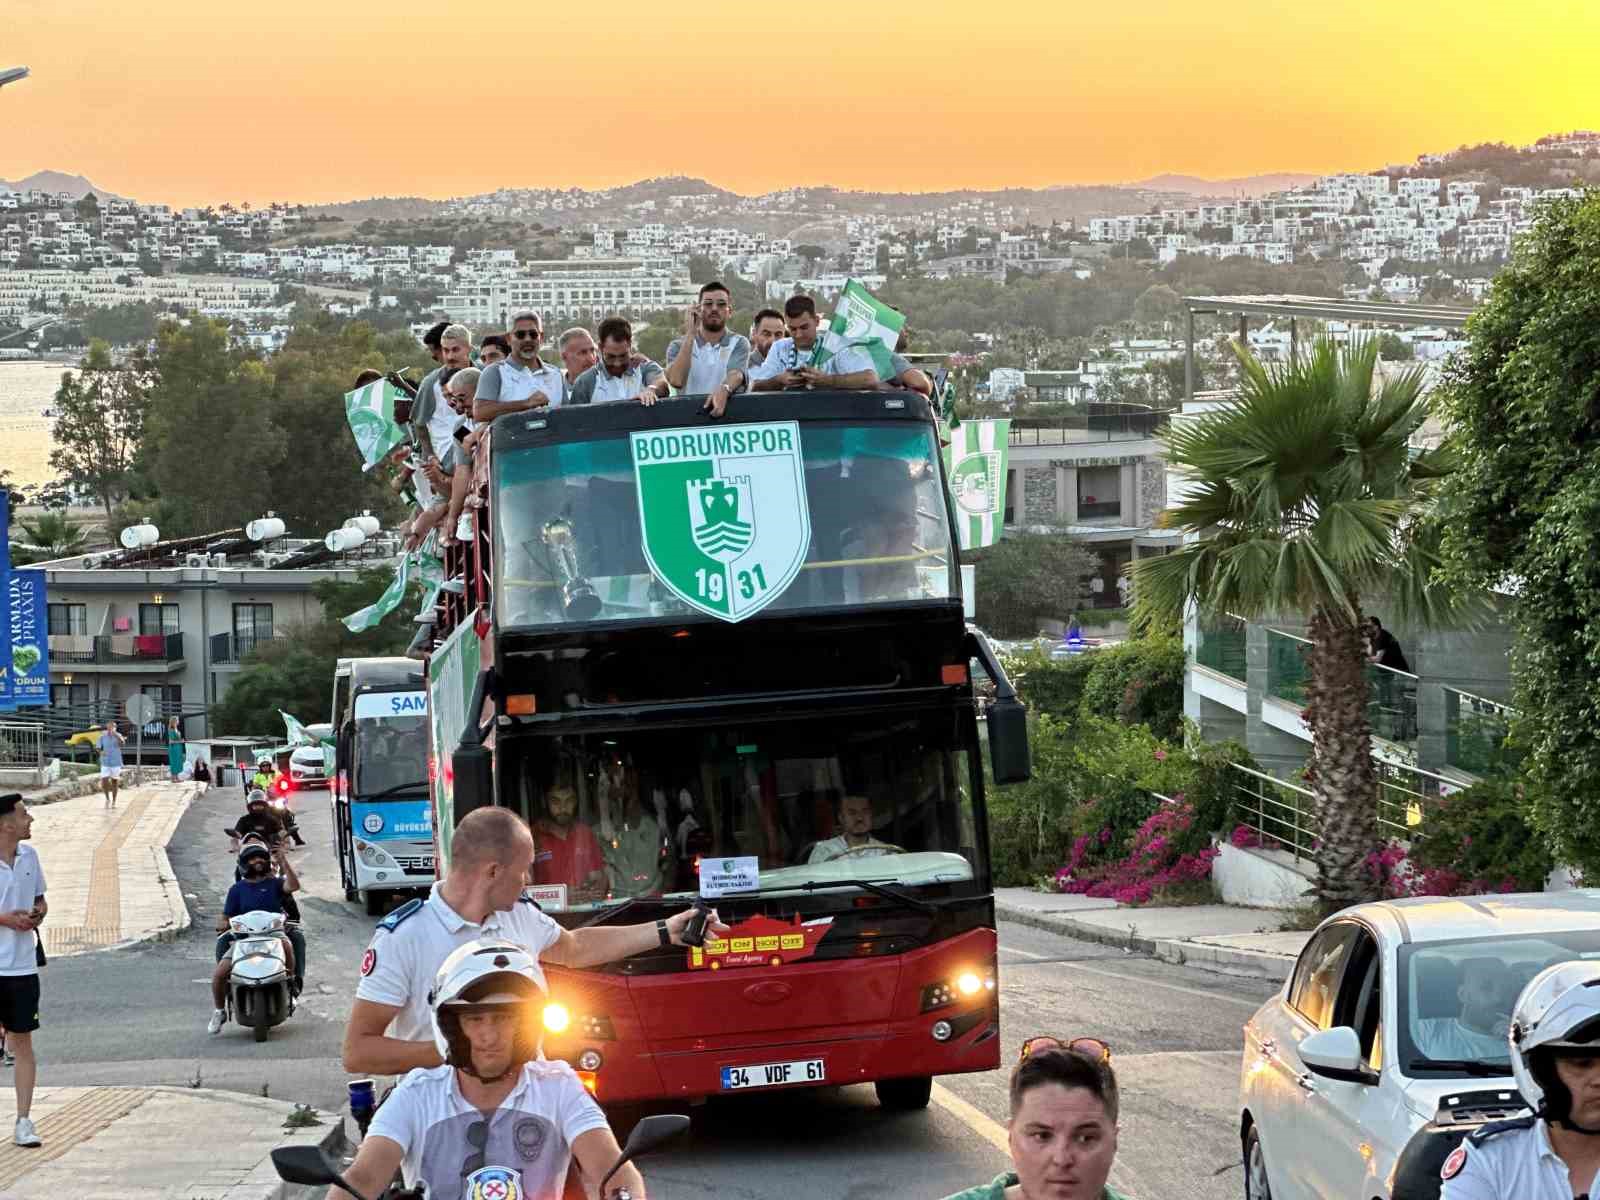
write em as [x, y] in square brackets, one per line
[1386, 650]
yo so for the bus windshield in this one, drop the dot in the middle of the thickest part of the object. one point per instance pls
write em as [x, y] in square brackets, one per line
[391, 744]
[821, 800]
[570, 543]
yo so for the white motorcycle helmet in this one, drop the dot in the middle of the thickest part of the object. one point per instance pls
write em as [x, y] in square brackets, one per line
[479, 976]
[1559, 1011]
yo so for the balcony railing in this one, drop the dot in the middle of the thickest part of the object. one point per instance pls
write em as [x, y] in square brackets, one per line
[231, 649]
[1105, 422]
[117, 649]
[1283, 814]
[1089, 510]
[1391, 694]
[1221, 646]
[1475, 731]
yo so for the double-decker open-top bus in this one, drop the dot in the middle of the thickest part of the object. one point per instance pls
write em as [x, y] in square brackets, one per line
[728, 658]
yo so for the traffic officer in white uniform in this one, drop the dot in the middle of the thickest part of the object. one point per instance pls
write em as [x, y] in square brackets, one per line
[390, 1030]
[1555, 1058]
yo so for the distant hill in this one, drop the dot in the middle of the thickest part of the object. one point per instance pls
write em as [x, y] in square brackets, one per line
[1249, 185]
[57, 181]
[380, 208]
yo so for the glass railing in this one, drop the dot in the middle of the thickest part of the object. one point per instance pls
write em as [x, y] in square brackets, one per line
[1475, 731]
[1391, 694]
[1220, 645]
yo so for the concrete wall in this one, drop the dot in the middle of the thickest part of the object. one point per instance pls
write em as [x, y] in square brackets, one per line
[1260, 878]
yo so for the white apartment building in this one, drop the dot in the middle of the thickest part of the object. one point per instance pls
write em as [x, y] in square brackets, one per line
[563, 288]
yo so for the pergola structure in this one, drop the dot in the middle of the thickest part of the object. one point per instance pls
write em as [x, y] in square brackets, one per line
[1322, 308]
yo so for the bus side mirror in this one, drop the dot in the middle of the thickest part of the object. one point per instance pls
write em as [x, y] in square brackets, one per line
[1008, 740]
[474, 779]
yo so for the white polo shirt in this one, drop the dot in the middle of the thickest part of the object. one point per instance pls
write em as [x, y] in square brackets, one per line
[21, 884]
[442, 423]
[509, 380]
[526, 1142]
[1514, 1162]
[406, 953]
[709, 362]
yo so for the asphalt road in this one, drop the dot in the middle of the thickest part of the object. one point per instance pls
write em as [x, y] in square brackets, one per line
[139, 1016]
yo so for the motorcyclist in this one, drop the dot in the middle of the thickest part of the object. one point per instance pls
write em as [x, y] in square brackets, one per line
[259, 890]
[263, 777]
[1555, 1058]
[495, 1119]
[258, 819]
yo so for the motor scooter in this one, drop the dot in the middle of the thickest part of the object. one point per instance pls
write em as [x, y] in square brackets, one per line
[259, 991]
[312, 1166]
[278, 798]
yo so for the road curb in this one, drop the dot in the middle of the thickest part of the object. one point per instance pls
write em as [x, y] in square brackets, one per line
[1227, 960]
[1082, 930]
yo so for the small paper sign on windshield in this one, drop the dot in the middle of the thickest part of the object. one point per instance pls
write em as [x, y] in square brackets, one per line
[728, 876]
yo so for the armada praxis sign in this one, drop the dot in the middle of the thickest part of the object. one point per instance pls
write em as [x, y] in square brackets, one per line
[724, 513]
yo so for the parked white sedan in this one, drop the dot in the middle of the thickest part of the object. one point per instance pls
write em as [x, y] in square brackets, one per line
[1392, 1027]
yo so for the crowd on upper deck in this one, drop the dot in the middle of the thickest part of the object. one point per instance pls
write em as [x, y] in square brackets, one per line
[505, 372]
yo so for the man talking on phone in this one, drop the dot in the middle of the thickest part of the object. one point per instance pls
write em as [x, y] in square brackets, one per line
[701, 360]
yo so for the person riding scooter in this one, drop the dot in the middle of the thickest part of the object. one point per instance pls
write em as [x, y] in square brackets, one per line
[259, 890]
[258, 819]
[495, 1119]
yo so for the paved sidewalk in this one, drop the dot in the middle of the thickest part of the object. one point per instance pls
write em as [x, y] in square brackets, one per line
[1218, 937]
[153, 1143]
[106, 872]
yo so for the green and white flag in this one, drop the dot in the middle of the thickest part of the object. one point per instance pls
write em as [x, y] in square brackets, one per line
[975, 461]
[370, 411]
[364, 619]
[299, 735]
[860, 319]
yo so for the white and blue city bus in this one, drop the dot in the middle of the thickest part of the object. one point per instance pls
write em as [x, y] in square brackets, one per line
[383, 827]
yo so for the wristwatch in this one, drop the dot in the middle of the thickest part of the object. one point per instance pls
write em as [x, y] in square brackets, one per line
[663, 933]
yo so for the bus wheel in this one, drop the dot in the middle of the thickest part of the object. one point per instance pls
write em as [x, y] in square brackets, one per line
[375, 905]
[904, 1095]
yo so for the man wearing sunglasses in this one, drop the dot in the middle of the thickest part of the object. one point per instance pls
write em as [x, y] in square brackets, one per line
[1063, 1128]
[495, 1119]
[524, 381]
[701, 360]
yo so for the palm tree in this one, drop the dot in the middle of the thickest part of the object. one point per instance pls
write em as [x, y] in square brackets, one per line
[52, 535]
[1307, 497]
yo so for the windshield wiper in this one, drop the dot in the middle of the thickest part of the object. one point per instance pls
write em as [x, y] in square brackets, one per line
[1466, 1066]
[399, 787]
[877, 889]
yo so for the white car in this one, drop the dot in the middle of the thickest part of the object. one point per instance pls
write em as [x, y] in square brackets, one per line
[1390, 1028]
[307, 769]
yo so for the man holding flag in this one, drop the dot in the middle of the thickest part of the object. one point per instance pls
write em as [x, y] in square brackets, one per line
[809, 357]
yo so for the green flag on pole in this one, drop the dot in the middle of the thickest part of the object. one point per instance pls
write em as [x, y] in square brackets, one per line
[364, 619]
[370, 411]
[299, 735]
[976, 461]
[860, 319]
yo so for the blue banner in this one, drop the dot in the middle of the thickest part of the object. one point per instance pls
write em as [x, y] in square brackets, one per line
[8, 699]
[30, 648]
[392, 820]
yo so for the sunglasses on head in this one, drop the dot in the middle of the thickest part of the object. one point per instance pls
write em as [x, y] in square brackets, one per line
[524, 334]
[1091, 1048]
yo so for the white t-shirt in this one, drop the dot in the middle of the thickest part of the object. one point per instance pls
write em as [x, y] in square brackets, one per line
[1448, 1038]
[21, 884]
[1516, 1163]
[526, 1142]
[405, 955]
[509, 380]
[442, 423]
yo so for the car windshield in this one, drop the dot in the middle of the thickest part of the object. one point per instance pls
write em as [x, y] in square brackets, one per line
[724, 539]
[391, 752]
[1456, 997]
[818, 801]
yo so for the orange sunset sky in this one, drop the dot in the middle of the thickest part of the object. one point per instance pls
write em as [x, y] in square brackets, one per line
[319, 100]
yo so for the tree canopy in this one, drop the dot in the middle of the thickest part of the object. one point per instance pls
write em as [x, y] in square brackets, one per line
[1521, 510]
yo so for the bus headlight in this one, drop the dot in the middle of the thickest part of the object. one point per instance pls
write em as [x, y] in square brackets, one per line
[964, 986]
[556, 1018]
[969, 984]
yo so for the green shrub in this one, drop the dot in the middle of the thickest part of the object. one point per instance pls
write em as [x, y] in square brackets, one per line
[1049, 686]
[1484, 838]
[1139, 682]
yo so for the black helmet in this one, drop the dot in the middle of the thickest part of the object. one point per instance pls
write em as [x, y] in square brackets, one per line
[253, 850]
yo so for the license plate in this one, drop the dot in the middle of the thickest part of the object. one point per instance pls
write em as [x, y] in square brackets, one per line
[808, 1070]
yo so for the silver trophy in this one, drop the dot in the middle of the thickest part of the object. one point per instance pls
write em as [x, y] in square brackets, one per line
[579, 600]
